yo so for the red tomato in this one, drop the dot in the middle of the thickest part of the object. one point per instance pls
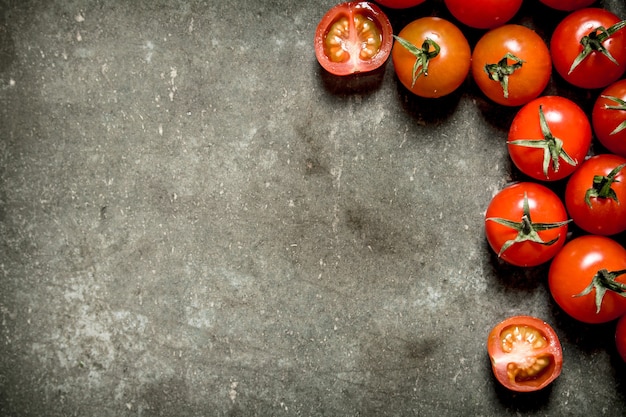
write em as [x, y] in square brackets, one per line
[431, 57]
[587, 279]
[549, 137]
[567, 5]
[483, 14]
[525, 353]
[602, 61]
[595, 195]
[620, 337]
[511, 64]
[609, 118]
[526, 224]
[353, 37]
[400, 4]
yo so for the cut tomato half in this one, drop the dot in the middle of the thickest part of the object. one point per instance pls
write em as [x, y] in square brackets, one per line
[525, 353]
[353, 37]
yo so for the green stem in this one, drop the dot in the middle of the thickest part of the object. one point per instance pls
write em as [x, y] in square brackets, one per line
[621, 106]
[422, 55]
[602, 282]
[602, 186]
[500, 71]
[593, 43]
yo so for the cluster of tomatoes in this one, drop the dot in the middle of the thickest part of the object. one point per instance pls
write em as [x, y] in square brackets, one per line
[549, 140]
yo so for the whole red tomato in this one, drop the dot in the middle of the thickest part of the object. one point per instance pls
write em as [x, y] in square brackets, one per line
[431, 57]
[353, 37]
[609, 118]
[549, 137]
[400, 4]
[568, 5]
[620, 337]
[483, 14]
[525, 353]
[587, 279]
[588, 48]
[595, 195]
[511, 64]
[526, 224]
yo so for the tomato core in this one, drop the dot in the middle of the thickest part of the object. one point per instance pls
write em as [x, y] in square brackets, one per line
[519, 342]
[343, 41]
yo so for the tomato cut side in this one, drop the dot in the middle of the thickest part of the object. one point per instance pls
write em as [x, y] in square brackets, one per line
[353, 37]
[525, 353]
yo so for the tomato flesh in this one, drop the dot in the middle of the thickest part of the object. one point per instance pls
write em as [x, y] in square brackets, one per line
[353, 37]
[525, 353]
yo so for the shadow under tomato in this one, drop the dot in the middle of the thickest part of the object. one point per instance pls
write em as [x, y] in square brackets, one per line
[360, 83]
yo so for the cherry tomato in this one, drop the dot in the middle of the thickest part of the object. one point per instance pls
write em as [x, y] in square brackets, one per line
[353, 37]
[602, 60]
[526, 224]
[587, 279]
[431, 57]
[620, 337]
[595, 195]
[525, 353]
[511, 64]
[483, 14]
[549, 137]
[609, 118]
[567, 5]
[400, 4]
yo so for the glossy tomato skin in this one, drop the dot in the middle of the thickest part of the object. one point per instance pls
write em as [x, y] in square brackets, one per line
[605, 216]
[620, 337]
[527, 81]
[483, 14]
[573, 269]
[447, 71]
[353, 37]
[525, 353]
[605, 120]
[567, 5]
[545, 207]
[566, 121]
[399, 4]
[596, 70]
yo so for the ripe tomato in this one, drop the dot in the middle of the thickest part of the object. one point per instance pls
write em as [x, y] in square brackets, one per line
[602, 59]
[400, 4]
[567, 5]
[587, 279]
[620, 337]
[525, 353]
[549, 137]
[526, 224]
[353, 37]
[511, 64]
[431, 57]
[483, 14]
[609, 118]
[595, 195]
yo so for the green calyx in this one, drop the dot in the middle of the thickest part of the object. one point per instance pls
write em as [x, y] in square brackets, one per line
[552, 147]
[423, 55]
[602, 282]
[602, 186]
[593, 43]
[621, 105]
[500, 71]
[527, 231]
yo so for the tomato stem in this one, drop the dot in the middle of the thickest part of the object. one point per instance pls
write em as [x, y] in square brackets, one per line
[621, 105]
[602, 282]
[602, 186]
[593, 43]
[526, 229]
[423, 55]
[500, 71]
[551, 145]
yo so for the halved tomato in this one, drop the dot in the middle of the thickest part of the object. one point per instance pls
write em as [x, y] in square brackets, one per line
[353, 37]
[525, 353]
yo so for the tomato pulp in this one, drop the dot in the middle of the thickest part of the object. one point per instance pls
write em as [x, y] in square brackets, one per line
[525, 353]
[353, 37]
